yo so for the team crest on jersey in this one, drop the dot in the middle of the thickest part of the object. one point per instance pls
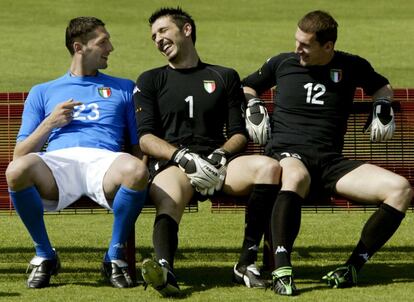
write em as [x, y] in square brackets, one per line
[209, 86]
[336, 75]
[105, 92]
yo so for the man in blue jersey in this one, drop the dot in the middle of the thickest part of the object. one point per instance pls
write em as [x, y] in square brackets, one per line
[82, 117]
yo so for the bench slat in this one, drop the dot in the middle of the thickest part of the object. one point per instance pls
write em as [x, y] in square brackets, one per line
[396, 155]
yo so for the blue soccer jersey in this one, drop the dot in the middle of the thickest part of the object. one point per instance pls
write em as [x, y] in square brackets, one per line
[106, 115]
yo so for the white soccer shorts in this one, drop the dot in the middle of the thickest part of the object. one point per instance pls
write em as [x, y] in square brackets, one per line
[78, 171]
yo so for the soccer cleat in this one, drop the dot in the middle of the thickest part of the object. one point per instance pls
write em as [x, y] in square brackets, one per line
[342, 277]
[42, 270]
[160, 278]
[116, 272]
[248, 275]
[283, 283]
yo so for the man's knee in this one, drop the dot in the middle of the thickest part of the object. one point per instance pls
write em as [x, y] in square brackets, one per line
[265, 170]
[270, 170]
[169, 207]
[134, 171]
[171, 204]
[296, 178]
[18, 174]
[401, 193]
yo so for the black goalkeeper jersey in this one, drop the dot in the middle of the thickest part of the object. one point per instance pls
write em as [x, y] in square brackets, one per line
[190, 107]
[313, 102]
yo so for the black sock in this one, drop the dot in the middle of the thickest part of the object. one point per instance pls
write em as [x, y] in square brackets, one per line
[257, 218]
[376, 232]
[285, 224]
[165, 238]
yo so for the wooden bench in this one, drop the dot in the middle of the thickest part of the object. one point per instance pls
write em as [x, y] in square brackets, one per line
[11, 108]
[396, 155]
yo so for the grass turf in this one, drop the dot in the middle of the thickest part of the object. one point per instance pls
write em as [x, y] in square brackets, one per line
[209, 246]
[234, 33]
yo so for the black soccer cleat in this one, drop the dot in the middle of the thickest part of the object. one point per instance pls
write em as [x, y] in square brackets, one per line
[248, 275]
[283, 283]
[116, 272]
[342, 277]
[42, 270]
[160, 277]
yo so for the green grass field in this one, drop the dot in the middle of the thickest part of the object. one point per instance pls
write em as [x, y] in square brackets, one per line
[209, 247]
[236, 33]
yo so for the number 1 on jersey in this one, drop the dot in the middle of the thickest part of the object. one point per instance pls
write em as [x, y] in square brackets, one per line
[190, 102]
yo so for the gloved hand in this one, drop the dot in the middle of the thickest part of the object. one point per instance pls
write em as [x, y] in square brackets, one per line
[257, 121]
[383, 122]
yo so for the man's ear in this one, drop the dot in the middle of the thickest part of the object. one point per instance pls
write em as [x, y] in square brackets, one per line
[329, 46]
[77, 47]
[187, 29]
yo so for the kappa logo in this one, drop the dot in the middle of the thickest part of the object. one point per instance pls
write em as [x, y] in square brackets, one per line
[364, 256]
[280, 249]
[162, 261]
[209, 86]
[136, 89]
[288, 154]
[211, 170]
[254, 248]
[105, 92]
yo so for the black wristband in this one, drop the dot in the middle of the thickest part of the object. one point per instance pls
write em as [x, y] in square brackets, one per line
[178, 154]
[227, 154]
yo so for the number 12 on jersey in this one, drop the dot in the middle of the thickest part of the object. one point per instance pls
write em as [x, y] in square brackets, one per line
[319, 90]
[190, 102]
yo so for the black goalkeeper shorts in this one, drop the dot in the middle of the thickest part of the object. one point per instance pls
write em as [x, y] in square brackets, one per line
[325, 168]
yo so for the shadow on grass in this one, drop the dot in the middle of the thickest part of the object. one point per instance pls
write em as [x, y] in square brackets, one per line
[3, 294]
[95, 254]
[199, 278]
[202, 253]
[308, 278]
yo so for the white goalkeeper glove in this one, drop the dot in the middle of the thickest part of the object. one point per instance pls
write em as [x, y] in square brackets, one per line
[383, 122]
[257, 121]
[203, 176]
[218, 158]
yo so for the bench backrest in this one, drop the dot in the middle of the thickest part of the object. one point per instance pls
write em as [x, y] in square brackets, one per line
[396, 155]
[11, 108]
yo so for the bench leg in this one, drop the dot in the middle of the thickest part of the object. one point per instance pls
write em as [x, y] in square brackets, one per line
[130, 256]
[268, 260]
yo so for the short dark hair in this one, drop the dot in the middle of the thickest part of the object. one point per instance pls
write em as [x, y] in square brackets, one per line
[81, 27]
[322, 24]
[178, 16]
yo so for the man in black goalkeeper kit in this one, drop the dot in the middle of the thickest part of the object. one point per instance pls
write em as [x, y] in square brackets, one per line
[315, 86]
[181, 110]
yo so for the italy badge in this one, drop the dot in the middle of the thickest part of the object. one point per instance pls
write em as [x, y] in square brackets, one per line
[336, 75]
[105, 92]
[209, 86]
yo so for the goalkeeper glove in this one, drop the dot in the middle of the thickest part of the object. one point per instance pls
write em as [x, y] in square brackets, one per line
[203, 175]
[218, 158]
[257, 121]
[383, 122]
